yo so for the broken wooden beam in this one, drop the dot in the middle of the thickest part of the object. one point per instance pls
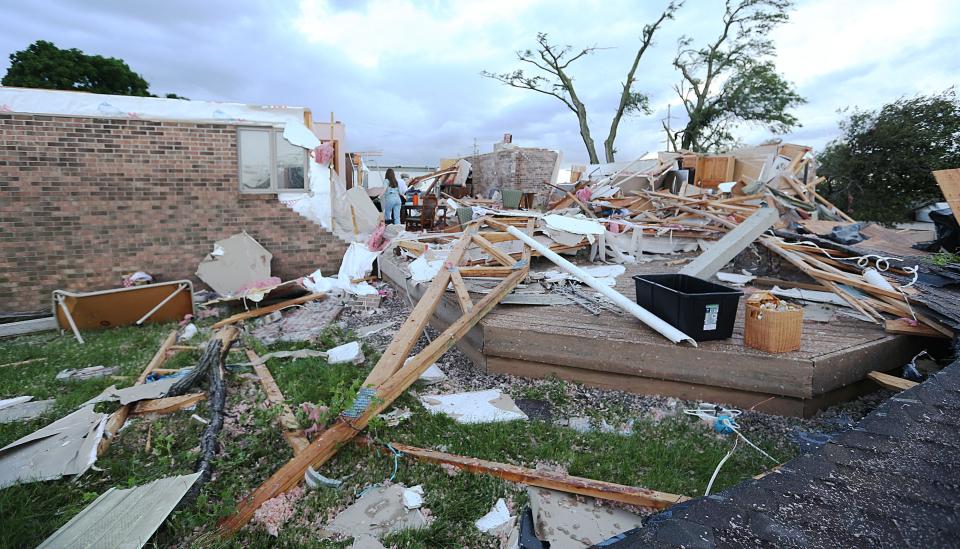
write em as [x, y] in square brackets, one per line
[893, 383]
[292, 432]
[119, 417]
[641, 497]
[246, 315]
[166, 405]
[393, 374]
[902, 326]
[724, 250]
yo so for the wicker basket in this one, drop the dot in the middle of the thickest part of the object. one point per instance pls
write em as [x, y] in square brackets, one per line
[769, 329]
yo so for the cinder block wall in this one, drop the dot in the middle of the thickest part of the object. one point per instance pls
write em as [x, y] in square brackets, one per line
[523, 169]
[84, 201]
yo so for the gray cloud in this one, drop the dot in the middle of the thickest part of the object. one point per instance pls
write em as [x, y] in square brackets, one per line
[404, 77]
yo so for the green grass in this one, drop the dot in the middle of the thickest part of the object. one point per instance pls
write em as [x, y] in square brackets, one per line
[675, 455]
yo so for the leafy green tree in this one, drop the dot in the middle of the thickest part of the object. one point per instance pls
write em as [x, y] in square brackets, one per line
[732, 79]
[551, 76]
[879, 168]
[44, 65]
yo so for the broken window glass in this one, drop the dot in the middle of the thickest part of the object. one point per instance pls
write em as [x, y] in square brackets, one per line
[290, 164]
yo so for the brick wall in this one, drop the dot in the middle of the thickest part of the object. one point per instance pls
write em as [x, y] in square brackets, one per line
[84, 201]
[519, 168]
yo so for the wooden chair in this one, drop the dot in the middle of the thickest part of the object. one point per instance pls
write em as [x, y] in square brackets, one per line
[425, 217]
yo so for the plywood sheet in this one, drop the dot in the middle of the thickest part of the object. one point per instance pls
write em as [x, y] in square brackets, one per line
[949, 181]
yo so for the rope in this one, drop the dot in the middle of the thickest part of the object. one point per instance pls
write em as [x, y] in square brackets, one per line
[396, 467]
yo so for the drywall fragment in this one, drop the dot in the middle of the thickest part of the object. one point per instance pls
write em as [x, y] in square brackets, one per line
[568, 523]
[379, 511]
[367, 331]
[364, 541]
[734, 278]
[475, 407]
[433, 374]
[23, 410]
[123, 518]
[496, 520]
[720, 253]
[423, 269]
[575, 225]
[413, 497]
[243, 262]
[348, 352]
[67, 446]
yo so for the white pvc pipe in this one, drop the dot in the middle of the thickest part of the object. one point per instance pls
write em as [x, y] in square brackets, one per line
[144, 318]
[645, 316]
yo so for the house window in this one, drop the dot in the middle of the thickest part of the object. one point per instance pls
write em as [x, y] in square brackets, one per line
[269, 163]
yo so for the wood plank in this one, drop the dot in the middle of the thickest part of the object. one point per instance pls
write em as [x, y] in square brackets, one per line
[246, 315]
[901, 326]
[641, 497]
[292, 432]
[166, 405]
[891, 382]
[721, 252]
[408, 334]
[485, 272]
[949, 182]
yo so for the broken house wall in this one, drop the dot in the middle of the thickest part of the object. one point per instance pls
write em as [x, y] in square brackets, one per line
[518, 168]
[89, 200]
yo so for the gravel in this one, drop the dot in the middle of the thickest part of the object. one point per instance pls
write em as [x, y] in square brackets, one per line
[574, 401]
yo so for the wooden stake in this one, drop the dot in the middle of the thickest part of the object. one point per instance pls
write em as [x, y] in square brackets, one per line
[890, 382]
[292, 432]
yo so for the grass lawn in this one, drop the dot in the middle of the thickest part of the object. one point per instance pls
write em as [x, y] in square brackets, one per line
[674, 455]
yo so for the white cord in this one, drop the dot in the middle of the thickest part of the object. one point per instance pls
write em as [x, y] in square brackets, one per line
[719, 465]
[881, 263]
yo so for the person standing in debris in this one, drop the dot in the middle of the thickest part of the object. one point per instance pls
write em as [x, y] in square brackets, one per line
[404, 184]
[391, 198]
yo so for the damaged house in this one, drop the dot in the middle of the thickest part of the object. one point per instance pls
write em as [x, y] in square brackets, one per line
[99, 186]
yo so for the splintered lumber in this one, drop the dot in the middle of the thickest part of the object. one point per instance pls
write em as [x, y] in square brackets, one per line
[166, 405]
[486, 272]
[292, 432]
[949, 182]
[645, 316]
[724, 250]
[246, 315]
[900, 326]
[119, 417]
[392, 375]
[891, 382]
[641, 497]
[23, 362]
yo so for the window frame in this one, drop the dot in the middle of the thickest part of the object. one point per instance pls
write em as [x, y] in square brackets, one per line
[273, 134]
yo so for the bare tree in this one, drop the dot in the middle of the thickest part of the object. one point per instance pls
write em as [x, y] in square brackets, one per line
[552, 62]
[733, 79]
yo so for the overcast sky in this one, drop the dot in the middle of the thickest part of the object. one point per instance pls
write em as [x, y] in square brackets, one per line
[404, 76]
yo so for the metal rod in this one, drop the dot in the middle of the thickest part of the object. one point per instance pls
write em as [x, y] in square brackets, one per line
[144, 318]
[73, 325]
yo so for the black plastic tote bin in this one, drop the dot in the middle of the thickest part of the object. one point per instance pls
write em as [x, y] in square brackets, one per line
[702, 310]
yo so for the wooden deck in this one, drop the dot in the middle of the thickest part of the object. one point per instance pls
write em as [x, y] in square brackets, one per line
[619, 352]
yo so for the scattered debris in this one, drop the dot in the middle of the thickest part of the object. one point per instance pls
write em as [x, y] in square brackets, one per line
[123, 517]
[474, 407]
[304, 323]
[432, 375]
[348, 352]
[315, 480]
[134, 393]
[87, 373]
[373, 329]
[396, 416]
